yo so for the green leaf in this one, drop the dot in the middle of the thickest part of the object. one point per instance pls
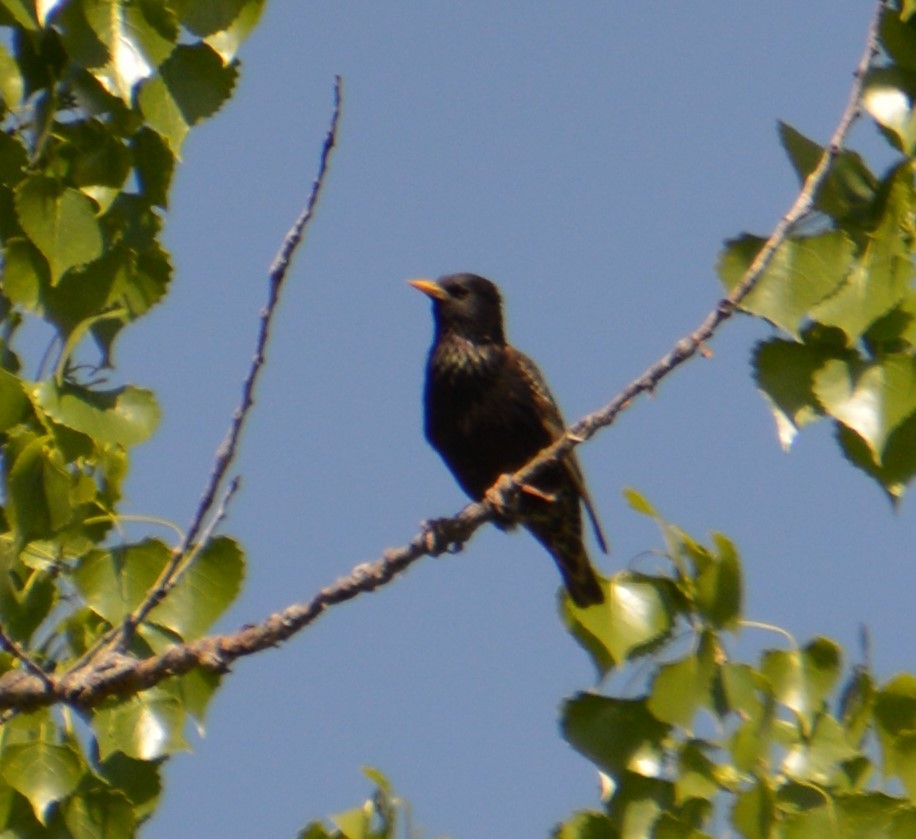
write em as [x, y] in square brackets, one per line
[619, 735]
[192, 85]
[879, 276]
[639, 503]
[139, 780]
[24, 270]
[681, 687]
[738, 686]
[697, 775]
[586, 825]
[227, 42]
[39, 492]
[204, 17]
[819, 758]
[857, 705]
[802, 679]
[113, 583]
[26, 599]
[784, 371]
[802, 272]
[637, 613]
[44, 772]
[146, 726]
[849, 188]
[60, 221]
[138, 37]
[899, 39]
[11, 84]
[898, 461]
[154, 164]
[98, 813]
[126, 415]
[871, 399]
[754, 813]
[13, 401]
[196, 689]
[895, 718]
[904, 752]
[718, 586]
[205, 590]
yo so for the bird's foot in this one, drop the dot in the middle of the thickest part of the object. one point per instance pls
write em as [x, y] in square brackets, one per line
[503, 498]
[438, 537]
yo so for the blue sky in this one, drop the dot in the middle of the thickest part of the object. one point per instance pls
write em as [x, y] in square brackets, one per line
[590, 158]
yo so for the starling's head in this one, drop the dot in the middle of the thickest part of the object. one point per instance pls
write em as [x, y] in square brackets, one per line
[465, 305]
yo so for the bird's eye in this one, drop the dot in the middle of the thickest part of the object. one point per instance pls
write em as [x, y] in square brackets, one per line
[459, 292]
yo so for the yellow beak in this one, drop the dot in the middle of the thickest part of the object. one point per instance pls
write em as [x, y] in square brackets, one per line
[430, 288]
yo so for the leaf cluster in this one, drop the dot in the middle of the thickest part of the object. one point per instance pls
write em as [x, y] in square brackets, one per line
[843, 295]
[96, 100]
[780, 744]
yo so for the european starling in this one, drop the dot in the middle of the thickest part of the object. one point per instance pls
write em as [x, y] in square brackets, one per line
[489, 411]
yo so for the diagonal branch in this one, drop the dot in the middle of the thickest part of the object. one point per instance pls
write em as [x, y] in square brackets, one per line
[111, 673]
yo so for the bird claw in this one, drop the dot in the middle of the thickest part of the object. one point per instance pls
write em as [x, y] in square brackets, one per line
[502, 497]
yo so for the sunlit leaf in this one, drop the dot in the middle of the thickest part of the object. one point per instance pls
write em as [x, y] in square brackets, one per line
[785, 371]
[145, 726]
[204, 17]
[44, 772]
[619, 735]
[818, 759]
[871, 399]
[228, 41]
[888, 97]
[60, 221]
[11, 84]
[637, 613]
[138, 36]
[898, 461]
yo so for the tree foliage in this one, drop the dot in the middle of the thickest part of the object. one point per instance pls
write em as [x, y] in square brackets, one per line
[96, 100]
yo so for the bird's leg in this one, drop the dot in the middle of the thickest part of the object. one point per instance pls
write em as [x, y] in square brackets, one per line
[528, 489]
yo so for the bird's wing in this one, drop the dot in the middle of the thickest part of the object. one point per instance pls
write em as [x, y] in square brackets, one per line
[548, 409]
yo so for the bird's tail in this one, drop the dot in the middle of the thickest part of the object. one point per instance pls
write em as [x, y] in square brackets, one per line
[566, 548]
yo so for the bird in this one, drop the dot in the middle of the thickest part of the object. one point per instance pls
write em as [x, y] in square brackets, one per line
[488, 411]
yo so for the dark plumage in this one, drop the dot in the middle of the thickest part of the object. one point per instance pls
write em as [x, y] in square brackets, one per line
[489, 411]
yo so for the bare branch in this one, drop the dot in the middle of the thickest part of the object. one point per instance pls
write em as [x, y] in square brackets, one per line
[226, 452]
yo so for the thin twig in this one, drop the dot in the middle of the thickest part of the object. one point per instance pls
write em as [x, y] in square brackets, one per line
[16, 650]
[225, 454]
